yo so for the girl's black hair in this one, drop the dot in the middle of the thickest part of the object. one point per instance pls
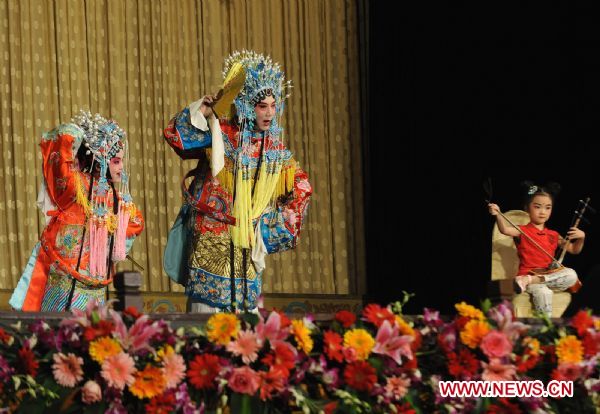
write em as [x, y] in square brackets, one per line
[86, 161]
[530, 190]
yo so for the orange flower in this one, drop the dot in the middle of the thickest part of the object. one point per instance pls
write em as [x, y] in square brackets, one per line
[405, 328]
[473, 332]
[569, 349]
[148, 383]
[102, 348]
[302, 336]
[469, 311]
[221, 327]
[532, 345]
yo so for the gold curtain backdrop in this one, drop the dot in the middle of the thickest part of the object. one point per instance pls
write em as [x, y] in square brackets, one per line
[139, 62]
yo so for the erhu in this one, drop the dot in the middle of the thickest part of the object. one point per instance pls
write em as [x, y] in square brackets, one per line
[556, 264]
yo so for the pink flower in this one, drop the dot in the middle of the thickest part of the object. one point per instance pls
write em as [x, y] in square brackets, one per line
[397, 387]
[244, 380]
[388, 342]
[247, 344]
[567, 371]
[271, 329]
[138, 337]
[496, 345]
[350, 354]
[67, 369]
[91, 392]
[118, 370]
[496, 371]
[173, 369]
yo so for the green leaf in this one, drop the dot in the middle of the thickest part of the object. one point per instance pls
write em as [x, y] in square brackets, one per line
[486, 305]
[250, 318]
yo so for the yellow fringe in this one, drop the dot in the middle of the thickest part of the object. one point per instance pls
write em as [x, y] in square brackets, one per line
[111, 223]
[81, 197]
[225, 177]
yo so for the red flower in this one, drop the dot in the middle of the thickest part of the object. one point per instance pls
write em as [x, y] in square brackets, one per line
[582, 321]
[590, 344]
[272, 381]
[405, 408]
[203, 371]
[503, 406]
[4, 337]
[161, 404]
[285, 321]
[346, 318]
[282, 357]
[360, 375]
[460, 322]
[463, 365]
[332, 344]
[526, 362]
[26, 363]
[376, 314]
[416, 343]
[409, 364]
[330, 407]
[550, 353]
[102, 328]
[132, 311]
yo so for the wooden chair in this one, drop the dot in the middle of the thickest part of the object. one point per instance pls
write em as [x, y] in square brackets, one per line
[505, 264]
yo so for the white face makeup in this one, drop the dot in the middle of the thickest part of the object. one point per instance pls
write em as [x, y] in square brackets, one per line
[265, 111]
[116, 167]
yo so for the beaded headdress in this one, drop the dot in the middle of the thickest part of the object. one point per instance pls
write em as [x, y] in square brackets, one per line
[263, 78]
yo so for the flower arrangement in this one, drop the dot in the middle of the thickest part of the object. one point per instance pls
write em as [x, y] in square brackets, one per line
[378, 361]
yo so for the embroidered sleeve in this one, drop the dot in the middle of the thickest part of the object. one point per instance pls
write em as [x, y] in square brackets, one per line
[185, 138]
[59, 148]
[281, 228]
[136, 224]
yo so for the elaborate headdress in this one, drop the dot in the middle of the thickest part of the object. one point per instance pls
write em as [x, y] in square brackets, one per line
[261, 77]
[103, 139]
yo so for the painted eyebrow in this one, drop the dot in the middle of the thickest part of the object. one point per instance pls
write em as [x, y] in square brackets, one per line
[544, 205]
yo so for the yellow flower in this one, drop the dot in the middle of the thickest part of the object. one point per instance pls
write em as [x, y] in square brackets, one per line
[361, 341]
[148, 383]
[104, 347]
[221, 327]
[163, 352]
[473, 332]
[469, 311]
[569, 349]
[533, 344]
[302, 335]
[405, 328]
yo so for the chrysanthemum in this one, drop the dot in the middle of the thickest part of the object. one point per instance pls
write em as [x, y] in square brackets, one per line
[302, 336]
[569, 349]
[67, 369]
[469, 311]
[118, 370]
[104, 347]
[361, 341]
[148, 383]
[473, 332]
[221, 327]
